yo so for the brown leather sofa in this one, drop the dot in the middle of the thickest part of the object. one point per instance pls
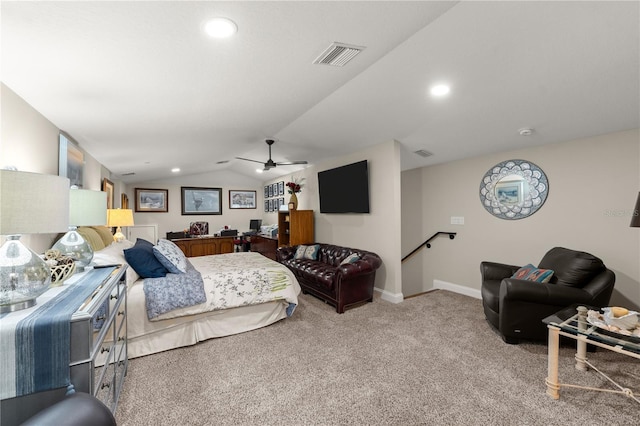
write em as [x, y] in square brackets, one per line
[339, 285]
[515, 307]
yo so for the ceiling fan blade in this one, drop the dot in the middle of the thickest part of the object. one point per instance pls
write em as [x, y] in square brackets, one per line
[291, 163]
[248, 159]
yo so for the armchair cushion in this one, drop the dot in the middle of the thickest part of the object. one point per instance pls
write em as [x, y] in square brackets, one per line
[572, 268]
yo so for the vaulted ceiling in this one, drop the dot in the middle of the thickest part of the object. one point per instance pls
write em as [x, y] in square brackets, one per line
[143, 89]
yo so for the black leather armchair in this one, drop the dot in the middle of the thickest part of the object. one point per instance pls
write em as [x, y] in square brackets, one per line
[515, 308]
[78, 409]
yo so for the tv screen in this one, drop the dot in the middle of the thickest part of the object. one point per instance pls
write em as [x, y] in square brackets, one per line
[344, 189]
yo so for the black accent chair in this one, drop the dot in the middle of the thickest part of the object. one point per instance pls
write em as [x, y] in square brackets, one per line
[78, 409]
[515, 308]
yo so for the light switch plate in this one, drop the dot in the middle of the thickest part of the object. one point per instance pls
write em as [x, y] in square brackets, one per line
[457, 220]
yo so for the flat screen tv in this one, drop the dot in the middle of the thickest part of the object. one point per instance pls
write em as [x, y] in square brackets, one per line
[344, 189]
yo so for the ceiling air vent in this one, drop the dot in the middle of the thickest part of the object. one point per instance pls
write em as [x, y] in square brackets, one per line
[423, 153]
[128, 174]
[338, 54]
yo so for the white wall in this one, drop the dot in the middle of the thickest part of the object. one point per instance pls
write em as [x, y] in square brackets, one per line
[175, 221]
[378, 231]
[593, 185]
[29, 141]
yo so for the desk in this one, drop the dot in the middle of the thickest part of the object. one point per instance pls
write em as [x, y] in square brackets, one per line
[572, 322]
[203, 246]
[264, 245]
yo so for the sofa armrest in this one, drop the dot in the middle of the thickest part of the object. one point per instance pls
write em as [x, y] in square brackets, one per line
[285, 253]
[496, 271]
[368, 263]
[512, 289]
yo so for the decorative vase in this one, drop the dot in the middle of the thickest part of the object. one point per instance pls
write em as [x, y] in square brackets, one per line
[293, 202]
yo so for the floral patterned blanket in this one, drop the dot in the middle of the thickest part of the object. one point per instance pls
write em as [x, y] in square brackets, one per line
[228, 281]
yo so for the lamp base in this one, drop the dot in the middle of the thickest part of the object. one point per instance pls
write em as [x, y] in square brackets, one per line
[119, 237]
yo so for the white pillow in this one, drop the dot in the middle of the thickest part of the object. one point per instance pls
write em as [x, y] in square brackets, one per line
[114, 253]
[171, 257]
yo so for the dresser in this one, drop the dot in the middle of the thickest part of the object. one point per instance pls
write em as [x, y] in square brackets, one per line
[97, 342]
[204, 246]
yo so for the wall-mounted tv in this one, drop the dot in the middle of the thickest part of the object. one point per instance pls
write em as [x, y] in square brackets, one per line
[344, 189]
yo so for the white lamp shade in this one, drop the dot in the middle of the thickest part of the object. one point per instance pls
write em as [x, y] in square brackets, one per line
[32, 203]
[87, 208]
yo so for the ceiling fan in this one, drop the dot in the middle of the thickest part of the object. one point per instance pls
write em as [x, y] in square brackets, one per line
[270, 164]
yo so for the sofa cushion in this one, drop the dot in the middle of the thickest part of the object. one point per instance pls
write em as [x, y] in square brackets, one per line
[531, 273]
[572, 268]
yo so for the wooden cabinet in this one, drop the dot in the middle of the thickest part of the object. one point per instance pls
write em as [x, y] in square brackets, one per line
[295, 227]
[193, 247]
[266, 246]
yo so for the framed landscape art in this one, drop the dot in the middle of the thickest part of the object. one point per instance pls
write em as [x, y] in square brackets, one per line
[198, 201]
[242, 199]
[152, 200]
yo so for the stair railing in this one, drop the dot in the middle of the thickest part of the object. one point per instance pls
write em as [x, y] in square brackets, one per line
[427, 242]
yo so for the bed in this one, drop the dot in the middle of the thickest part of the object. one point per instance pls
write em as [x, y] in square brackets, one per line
[225, 276]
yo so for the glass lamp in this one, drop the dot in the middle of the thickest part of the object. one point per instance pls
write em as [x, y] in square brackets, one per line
[30, 203]
[635, 215]
[118, 218]
[86, 208]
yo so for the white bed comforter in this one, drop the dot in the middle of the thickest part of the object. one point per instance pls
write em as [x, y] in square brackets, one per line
[240, 279]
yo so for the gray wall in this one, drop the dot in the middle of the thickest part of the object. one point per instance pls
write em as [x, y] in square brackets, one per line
[593, 185]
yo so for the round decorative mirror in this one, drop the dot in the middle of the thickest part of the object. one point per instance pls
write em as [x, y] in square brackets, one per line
[514, 189]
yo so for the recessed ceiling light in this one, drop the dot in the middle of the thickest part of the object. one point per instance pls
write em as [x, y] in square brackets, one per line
[525, 131]
[220, 27]
[175, 170]
[440, 90]
[259, 170]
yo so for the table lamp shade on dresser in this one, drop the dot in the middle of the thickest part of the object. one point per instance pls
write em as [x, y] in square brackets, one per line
[119, 218]
[86, 208]
[30, 203]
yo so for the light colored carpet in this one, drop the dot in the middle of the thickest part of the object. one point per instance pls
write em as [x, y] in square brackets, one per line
[431, 360]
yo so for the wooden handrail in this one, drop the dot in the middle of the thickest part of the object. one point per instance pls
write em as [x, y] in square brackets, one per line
[427, 244]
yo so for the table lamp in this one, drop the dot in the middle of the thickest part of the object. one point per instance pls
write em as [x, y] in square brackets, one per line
[119, 218]
[86, 208]
[30, 203]
[635, 215]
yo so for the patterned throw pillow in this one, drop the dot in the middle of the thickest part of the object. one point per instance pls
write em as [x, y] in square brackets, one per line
[531, 273]
[352, 258]
[300, 252]
[307, 252]
[171, 257]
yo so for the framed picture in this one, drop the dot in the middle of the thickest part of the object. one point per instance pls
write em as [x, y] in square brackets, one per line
[152, 200]
[281, 188]
[197, 200]
[274, 187]
[270, 188]
[266, 192]
[280, 203]
[242, 199]
[70, 161]
[271, 205]
[510, 192]
[107, 186]
[266, 206]
[124, 201]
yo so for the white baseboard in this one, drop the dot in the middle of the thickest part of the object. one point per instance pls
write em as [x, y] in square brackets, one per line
[457, 288]
[390, 297]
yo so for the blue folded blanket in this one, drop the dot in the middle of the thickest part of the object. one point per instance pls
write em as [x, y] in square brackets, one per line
[173, 291]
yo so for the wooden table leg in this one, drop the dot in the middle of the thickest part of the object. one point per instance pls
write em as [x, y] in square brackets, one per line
[553, 386]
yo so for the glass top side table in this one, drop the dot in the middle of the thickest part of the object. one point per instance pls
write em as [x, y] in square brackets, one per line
[572, 322]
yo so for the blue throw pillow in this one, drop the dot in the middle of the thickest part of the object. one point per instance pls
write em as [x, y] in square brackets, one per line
[352, 258]
[141, 258]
